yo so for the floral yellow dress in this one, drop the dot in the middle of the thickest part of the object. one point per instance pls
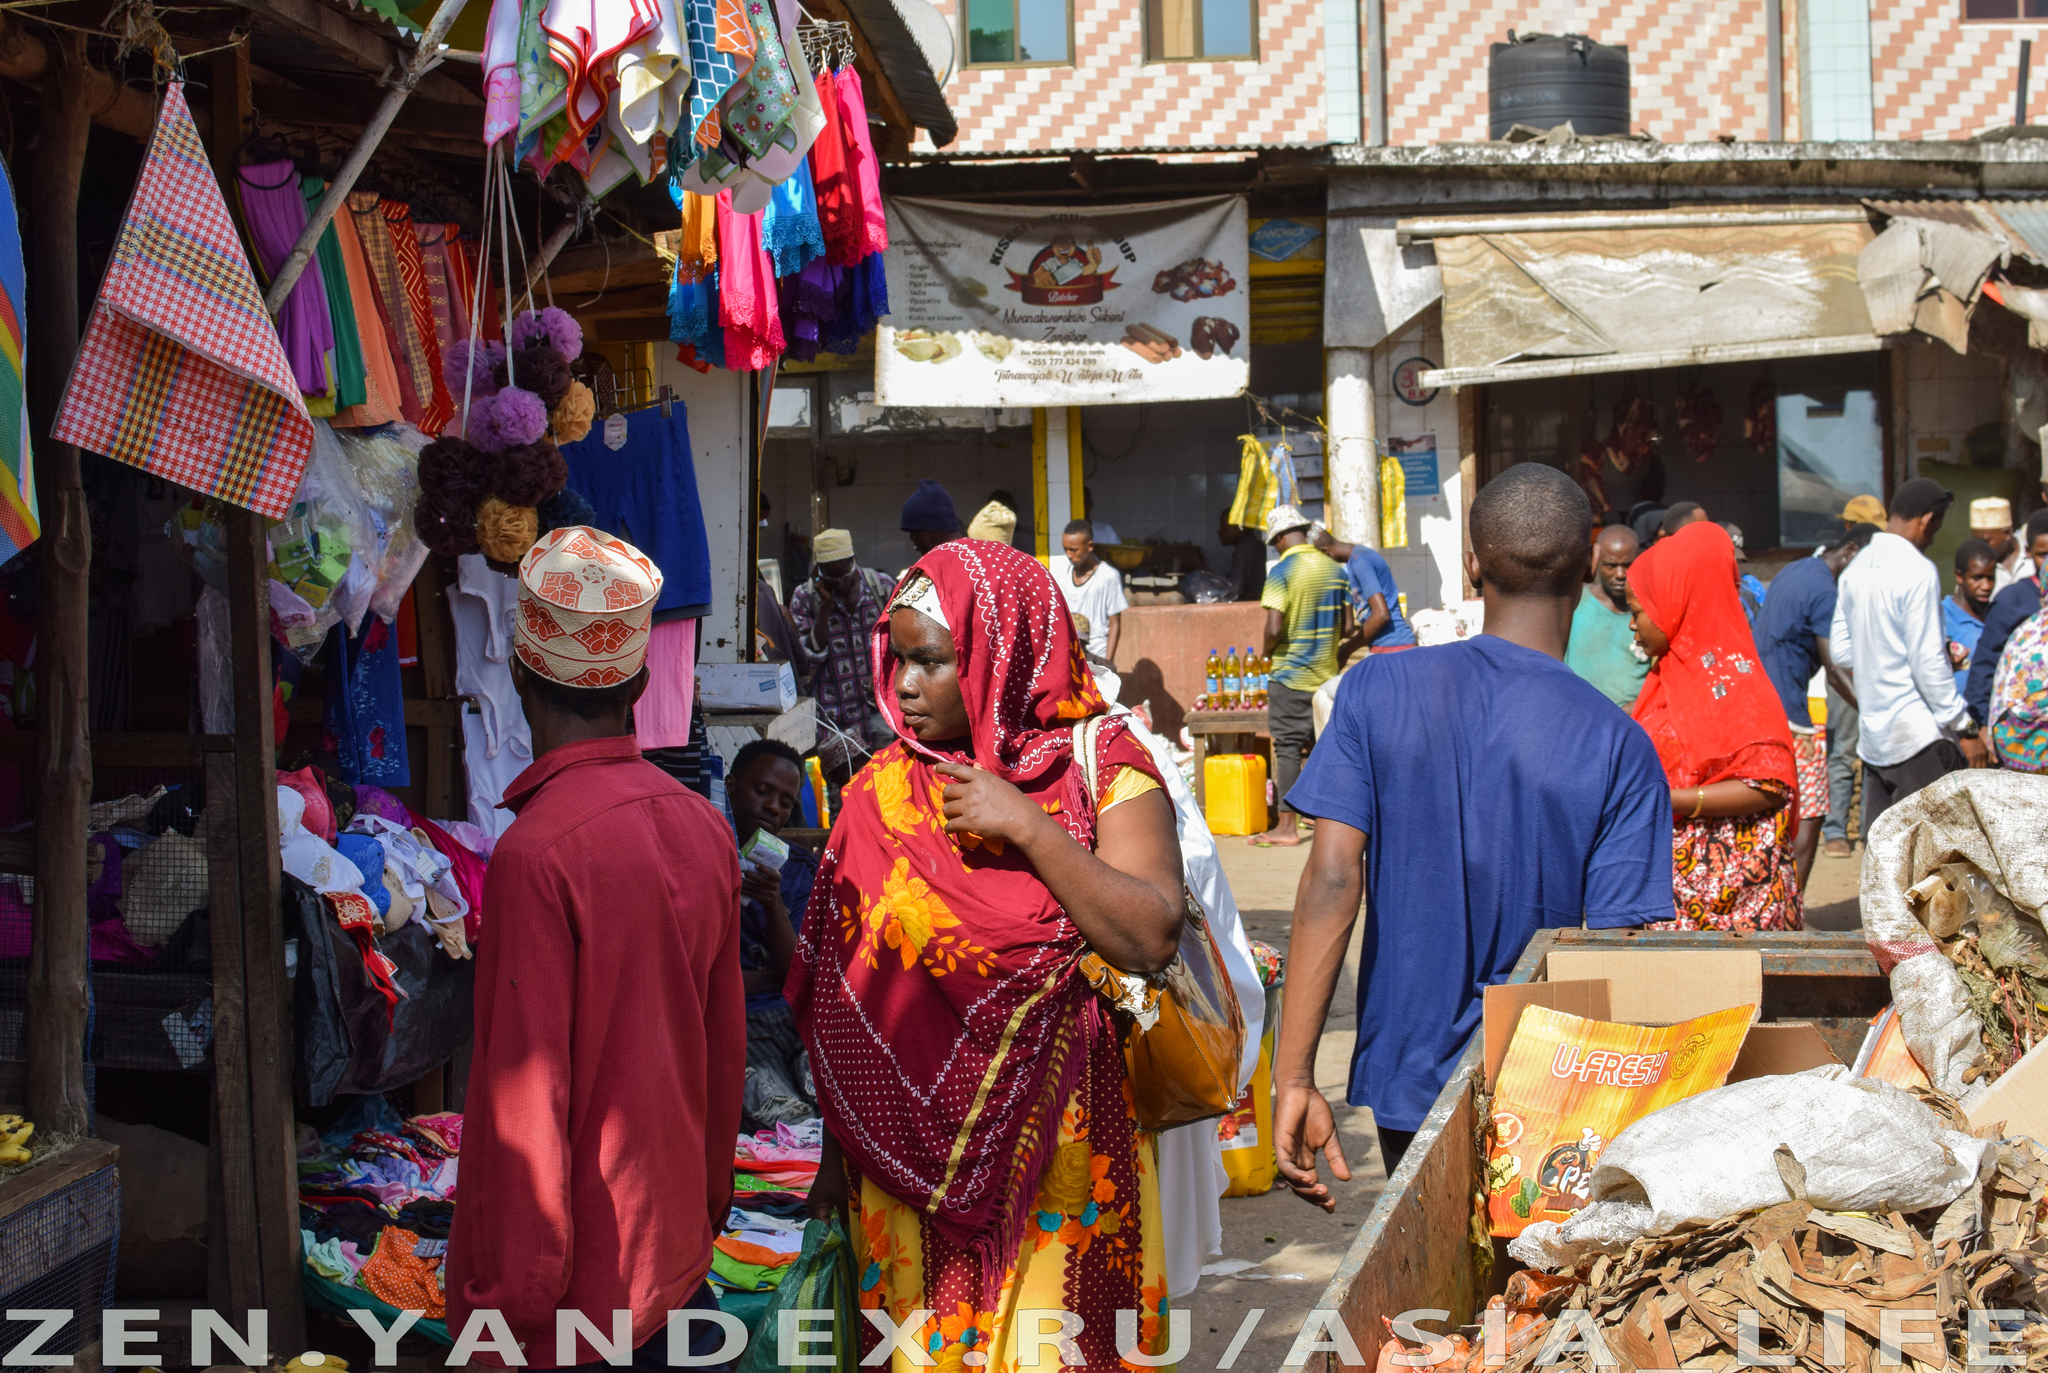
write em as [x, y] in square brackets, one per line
[1094, 1245]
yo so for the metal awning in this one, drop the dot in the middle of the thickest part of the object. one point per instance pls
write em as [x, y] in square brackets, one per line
[2023, 224]
[900, 33]
[1615, 297]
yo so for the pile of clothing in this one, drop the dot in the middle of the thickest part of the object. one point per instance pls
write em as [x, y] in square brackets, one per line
[376, 1201]
[771, 1185]
[790, 268]
[378, 864]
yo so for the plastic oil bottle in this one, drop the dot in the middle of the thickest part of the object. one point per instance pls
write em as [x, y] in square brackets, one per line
[1213, 690]
[1233, 680]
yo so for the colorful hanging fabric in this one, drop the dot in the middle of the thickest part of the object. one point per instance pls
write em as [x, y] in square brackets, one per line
[450, 323]
[501, 71]
[747, 308]
[693, 297]
[180, 371]
[713, 69]
[365, 707]
[543, 86]
[585, 38]
[437, 408]
[760, 103]
[19, 520]
[793, 143]
[275, 213]
[853, 108]
[808, 299]
[832, 169]
[789, 226]
[383, 391]
[347, 368]
[373, 235]
[652, 73]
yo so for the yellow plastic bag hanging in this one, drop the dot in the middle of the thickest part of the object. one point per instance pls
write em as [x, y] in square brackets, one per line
[1393, 503]
[1256, 495]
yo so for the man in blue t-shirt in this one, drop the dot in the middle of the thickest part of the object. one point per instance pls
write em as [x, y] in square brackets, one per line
[767, 777]
[1792, 640]
[1377, 621]
[1479, 792]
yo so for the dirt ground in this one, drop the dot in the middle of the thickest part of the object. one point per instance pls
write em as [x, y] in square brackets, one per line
[1294, 1249]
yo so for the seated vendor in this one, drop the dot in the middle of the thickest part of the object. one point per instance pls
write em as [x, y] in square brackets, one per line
[767, 777]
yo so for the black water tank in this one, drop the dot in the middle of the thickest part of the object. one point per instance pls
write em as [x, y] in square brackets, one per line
[1543, 80]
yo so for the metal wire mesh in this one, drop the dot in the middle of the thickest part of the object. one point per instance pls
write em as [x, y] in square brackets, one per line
[57, 1254]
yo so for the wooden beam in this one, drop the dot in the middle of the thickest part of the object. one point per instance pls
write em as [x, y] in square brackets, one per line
[633, 300]
[124, 109]
[411, 74]
[262, 1115]
[629, 329]
[358, 45]
[437, 119]
[57, 997]
[607, 266]
[239, 1265]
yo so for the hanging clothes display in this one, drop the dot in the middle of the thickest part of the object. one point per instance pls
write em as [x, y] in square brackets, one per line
[275, 211]
[159, 343]
[19, 521]
[412, 277]
[365, 711]
[346, 366]
[646, 494]
[383, 392]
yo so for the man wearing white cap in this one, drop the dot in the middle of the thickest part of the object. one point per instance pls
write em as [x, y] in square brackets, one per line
[1304, 597]
[604, 1092]
[834, 610]
[1991, 521]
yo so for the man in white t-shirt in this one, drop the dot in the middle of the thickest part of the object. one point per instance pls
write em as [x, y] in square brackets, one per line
[1094, 591]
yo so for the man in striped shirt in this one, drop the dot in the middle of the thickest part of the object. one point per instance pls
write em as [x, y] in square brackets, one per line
[1304, 599]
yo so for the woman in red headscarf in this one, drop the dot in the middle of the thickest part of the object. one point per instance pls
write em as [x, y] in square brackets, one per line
[1721, 735]
[972, 1081]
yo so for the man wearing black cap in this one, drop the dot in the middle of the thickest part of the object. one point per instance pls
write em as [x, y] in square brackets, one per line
[1888, 632]
[929, 518]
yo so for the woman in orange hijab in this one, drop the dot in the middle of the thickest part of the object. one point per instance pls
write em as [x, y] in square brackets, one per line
[1721, 735]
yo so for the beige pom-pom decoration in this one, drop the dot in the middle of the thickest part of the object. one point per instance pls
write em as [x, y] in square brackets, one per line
[504, 531]
[571, 417]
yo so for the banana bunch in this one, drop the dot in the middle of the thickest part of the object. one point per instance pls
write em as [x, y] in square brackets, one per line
[14, 1136]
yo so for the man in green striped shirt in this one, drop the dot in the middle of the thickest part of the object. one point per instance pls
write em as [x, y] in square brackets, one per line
[1304, 598]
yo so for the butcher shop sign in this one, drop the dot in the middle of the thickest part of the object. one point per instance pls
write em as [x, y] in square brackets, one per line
[1006, 305]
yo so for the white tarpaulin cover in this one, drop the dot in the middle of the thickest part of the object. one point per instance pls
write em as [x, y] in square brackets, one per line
[994, 305]
[1765, 290]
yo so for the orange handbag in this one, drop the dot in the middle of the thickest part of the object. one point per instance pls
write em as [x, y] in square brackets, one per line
[1184, 1032]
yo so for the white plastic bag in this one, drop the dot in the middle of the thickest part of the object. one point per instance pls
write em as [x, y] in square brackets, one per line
[1861, 1145]
[1994, 819]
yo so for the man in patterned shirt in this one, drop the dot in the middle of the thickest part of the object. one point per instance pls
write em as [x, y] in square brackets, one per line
[1305, 599]
[834, 611]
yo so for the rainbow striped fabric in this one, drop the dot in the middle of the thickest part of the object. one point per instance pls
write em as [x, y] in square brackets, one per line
[19, 523]
[181, 372]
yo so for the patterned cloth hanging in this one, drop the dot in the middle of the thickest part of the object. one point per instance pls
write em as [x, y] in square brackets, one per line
[19, 523]
[181, 372]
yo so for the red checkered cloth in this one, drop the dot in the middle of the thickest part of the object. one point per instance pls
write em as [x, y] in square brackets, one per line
[181, 372]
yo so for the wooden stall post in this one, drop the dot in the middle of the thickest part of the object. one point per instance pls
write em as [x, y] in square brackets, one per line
[255, 1148]
[57, 998]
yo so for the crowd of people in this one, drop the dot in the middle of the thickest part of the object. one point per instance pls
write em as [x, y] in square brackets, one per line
[1629, 743]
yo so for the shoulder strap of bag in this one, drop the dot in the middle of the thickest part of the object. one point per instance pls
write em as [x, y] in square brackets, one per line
[1087, 733]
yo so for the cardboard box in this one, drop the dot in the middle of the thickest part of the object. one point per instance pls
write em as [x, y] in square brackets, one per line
[1665, 986]
[747, 686]
[2018, 1100]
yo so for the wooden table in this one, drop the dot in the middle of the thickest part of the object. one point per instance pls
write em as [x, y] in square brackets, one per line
[1200, 724]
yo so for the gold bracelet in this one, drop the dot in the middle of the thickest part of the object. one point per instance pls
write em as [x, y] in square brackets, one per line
[1698, 805]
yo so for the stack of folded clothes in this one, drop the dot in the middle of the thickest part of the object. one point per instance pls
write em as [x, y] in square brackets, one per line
[376, 1201]
[772, 1176]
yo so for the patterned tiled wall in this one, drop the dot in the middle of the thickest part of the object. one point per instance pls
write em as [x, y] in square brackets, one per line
[1696, 67]
[1111, 98]
[1934, 76]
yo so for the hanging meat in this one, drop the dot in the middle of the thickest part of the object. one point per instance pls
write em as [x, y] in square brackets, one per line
[1760, 417]
[1587, 473]
[1634, 436]
[1699, 422]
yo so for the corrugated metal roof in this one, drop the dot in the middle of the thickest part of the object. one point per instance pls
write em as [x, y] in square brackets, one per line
[891, 28]
[2021, 223]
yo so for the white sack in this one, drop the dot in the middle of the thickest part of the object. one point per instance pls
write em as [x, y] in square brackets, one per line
[1995, 819]
[1864, 1145]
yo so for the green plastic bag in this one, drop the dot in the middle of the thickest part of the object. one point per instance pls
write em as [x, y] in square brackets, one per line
[820, 1282]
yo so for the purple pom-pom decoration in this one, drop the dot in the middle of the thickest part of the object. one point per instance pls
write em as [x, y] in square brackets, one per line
[551, 326]
[487, 365]
[512, 418]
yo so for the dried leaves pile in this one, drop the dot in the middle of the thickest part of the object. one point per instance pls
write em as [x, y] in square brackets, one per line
[1679, 1301]
[1999, 951]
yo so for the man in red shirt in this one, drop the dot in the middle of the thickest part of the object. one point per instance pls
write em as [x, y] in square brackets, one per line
[604, 1091]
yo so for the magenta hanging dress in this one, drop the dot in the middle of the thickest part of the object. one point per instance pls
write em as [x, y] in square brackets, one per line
[747, 306]
[275, 211]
